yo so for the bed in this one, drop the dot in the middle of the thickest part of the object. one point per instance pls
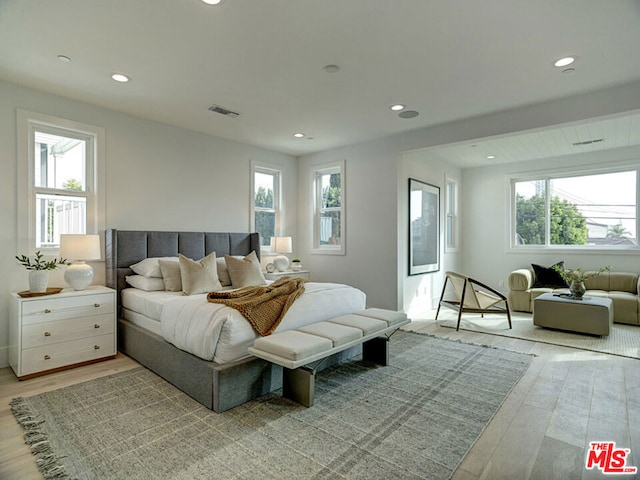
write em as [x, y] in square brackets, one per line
[231, 376]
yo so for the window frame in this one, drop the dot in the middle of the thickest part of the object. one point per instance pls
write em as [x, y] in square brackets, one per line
[547, 177]
[452, 214]
[277, 199]
[316, 173]
[27, 124]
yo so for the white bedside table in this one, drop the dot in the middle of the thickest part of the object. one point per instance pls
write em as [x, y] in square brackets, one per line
[306, 274]
[64, 330]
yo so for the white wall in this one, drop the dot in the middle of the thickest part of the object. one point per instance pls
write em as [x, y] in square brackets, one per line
[486, 253]
[420, 293]
[157, 177]
[371, 197]
[377, 172]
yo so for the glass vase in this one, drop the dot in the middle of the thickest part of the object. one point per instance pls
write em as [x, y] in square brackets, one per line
[577, 290]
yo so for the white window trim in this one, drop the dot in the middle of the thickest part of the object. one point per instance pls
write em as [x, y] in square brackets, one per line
[454, 213]
[277, 199]
[26, 123]
[561, 173]
[316, 248]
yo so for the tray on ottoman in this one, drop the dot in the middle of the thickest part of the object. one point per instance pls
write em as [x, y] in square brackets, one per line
[592, 315]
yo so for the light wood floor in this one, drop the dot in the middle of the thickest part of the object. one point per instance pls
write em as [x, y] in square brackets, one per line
[566, 399]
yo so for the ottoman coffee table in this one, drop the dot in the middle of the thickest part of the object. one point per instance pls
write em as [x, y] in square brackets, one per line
[592, 315]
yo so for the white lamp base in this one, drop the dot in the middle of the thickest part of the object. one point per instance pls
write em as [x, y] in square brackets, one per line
[79, 275]
[281, 263]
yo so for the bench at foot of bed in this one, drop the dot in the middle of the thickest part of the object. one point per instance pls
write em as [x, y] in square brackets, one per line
[297, 349]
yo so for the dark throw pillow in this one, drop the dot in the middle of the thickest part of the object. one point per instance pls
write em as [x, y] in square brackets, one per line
[548, 277]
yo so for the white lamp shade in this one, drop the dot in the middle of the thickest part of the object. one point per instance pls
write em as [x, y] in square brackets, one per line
[80, 247]
[282, 245]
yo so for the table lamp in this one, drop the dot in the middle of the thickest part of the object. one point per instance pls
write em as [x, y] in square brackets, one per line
[79, 248]
[281, 245]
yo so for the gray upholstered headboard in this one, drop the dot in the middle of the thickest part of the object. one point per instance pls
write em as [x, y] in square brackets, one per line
[126, 247]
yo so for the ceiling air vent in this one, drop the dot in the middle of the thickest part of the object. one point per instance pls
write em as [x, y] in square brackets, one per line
[223, 111]
[588, 142]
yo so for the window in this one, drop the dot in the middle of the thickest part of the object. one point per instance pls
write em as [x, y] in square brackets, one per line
[266, 204]
[451, 219]
[59, 167]
[329, 217]
[592, 210]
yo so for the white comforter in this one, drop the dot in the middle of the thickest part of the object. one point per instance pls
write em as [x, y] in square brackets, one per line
[216, 332]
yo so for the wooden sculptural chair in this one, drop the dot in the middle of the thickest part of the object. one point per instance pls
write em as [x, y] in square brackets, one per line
[466, 295]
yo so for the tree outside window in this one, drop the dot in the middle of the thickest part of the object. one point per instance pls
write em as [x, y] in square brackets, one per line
[329, 219]
[589, 210]
[266, 203]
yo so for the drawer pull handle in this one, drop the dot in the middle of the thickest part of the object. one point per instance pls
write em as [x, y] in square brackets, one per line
[96, 326]
[97, 305]
[47, 357]
[96, 347]
[46, 310]
[47, 334]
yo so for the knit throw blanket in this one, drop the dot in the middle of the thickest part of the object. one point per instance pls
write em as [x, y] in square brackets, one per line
[262, 306]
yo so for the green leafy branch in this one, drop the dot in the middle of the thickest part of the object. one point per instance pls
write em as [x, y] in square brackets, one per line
[578, 275]
[39, 263]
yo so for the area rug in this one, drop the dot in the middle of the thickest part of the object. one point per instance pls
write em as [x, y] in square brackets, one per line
[623, 340]
[413, 419]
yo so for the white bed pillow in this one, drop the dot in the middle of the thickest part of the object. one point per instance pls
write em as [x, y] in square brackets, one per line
[150, 284]
[245, 272]
[171, 275]
[150, 267]
[199, 276]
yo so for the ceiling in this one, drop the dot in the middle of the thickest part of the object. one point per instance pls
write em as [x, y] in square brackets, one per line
[595, 135]
[447, 60]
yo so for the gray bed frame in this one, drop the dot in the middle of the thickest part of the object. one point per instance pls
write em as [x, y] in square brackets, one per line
[216, 386]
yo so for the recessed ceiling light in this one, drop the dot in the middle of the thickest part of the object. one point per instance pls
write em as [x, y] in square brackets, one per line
[564, 61]
[490, 157]
[331, 68]
[298, 135]
[568, 70]
[64, 58]
[212, 2]
[397, 107]
[120, 77]
[408, 114]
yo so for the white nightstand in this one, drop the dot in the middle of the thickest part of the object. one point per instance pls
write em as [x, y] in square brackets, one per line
[306, 274]
[68, 329]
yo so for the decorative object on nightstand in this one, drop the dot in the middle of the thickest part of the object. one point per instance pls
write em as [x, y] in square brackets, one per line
[39, 271]
[296, 265]
[59, 331]
[306, 274]
[270, 268]
[79, 275]
[281, 245]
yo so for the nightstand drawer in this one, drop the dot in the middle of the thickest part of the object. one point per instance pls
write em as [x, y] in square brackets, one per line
[47, 357]
[47, 333]
[62, 308]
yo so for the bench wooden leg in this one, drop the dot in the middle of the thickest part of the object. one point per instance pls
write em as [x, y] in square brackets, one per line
[299, 385]
[376, 350]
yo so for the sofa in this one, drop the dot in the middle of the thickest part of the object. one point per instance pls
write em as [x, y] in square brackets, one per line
[621, 287]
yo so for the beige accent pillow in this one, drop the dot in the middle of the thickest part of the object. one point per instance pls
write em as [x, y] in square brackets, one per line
[171, 275]
[223, 272]
[245, 272]
[200, 276]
